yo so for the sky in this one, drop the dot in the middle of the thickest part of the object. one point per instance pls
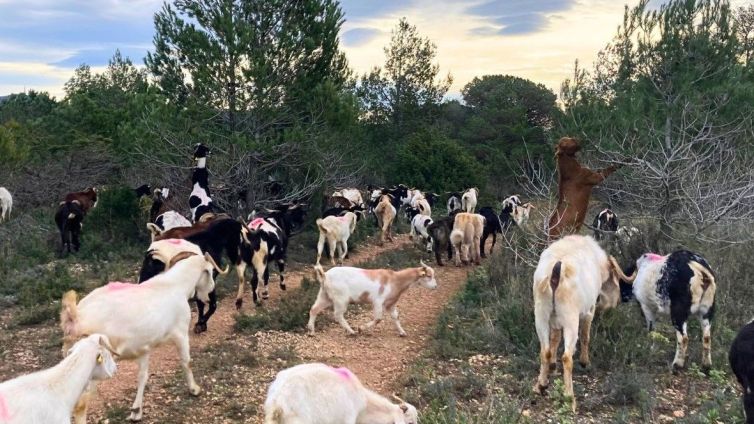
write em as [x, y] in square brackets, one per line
[43, 41]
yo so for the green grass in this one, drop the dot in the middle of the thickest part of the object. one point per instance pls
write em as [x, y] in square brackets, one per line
[493, 316]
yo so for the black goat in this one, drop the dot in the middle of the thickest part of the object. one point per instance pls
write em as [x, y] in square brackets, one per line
[492, 227]
[741, 357]
[69, 219]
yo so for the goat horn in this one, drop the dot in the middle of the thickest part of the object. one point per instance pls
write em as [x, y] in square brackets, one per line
[398, 399]
[104, 341]
[177, 258]
[209, 259]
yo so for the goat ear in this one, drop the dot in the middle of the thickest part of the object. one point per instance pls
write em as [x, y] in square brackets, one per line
[104, 341]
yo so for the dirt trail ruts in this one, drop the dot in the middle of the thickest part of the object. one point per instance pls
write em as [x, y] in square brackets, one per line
[164, 362]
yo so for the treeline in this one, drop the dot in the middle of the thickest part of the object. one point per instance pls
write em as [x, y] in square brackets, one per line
[266, 84]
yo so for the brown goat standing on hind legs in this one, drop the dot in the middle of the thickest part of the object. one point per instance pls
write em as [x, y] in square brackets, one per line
[575, 185]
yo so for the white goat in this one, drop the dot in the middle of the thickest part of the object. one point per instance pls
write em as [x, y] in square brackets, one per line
[419, 225]
[336, 230]
[49, 396]
[138, 317]
[319, 394]
[6, 204]
[521, 213]
[385, 213]
[468, 200]
[573, 278]
[380, 287]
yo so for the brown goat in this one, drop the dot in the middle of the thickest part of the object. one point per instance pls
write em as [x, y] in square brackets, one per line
[575, 185]
[87, 198]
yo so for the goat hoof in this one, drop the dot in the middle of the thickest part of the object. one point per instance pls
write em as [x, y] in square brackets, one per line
[239, 304]
[195, 390]
[282, 287]
[403, 334]
[677, 368]
[553, 367]
[706, 368]
[135, 414]
[540, 389]
[200, 327]
[585, 365]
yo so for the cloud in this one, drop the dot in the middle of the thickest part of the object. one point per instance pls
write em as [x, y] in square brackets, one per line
[356, 9]
[359, 36]
[517, 17]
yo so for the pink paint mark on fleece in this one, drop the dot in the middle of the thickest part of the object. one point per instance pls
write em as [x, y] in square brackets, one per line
[117, 286]
[174, 241]
[256, 223]
[344, 373]
[343, 218]
[654, 257]
[4, 412]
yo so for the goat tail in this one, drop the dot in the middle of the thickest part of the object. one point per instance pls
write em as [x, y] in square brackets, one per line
[705, 283]
[322, 229]
[555, 278]
[69, 317]
[319, 274]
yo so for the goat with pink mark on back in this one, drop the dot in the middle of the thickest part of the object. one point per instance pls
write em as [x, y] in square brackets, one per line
[319, 394]
[380, 287]
[138, 318]
[49, 396]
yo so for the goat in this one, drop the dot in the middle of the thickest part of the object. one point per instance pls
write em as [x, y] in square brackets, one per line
[336, 230]
[507, 214]
[87, 199]
[352, 194]
[6, 204]
[200, 200]
[741, 357]
[217, 236]
[385, 213]
[574, 277]
[679, 284]
[318, 394]
[492, 227]
[167, 221]
[466, 237]
[142, 190]
[336, 201]
[575, 185]
[468, 200]
[69, 220]
[117, 310]
[263, 231]
[160, 255]
[288, 217]
[49, 396]
[605, 221]
[419, 225]
[358, 210]
[440, 231]
[454, 202]
[382, 288]
[521, 214]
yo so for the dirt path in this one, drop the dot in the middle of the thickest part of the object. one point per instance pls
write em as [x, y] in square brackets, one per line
[379, 358]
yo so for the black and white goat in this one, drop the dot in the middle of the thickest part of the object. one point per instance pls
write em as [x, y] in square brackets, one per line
[741, 357]
[289, 217]
[680, 284]
[200, 200]
[605, 221]
[507, 214]
[70, 217]
[268, 243]
[419, 230]
[454, 202]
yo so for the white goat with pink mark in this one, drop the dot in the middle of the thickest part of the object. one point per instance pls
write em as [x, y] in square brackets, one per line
[381, 287]
[320, 394]
[139, 317]
[49, 396]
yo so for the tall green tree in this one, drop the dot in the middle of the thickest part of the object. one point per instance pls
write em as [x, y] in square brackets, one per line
[405, 92]
[509, 121]
[238, 56]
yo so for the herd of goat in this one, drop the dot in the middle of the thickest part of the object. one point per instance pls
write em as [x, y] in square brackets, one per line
[574, 278]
